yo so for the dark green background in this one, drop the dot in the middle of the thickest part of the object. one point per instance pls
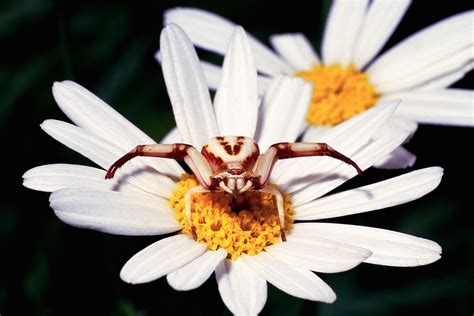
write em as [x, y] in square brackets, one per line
[49, 268]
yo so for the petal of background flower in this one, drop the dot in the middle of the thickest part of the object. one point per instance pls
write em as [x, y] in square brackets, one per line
[113, 212]
[283, 110]
[243, 291]
[321, 184]
[195, 273]
[341, 31]
[95, 116]
[236, 100]
[391, 192]
[296, 282]
[347, 138]
[161, 258]
[213, 32]
[440, 107]
[187, 88]
[296, 49]
[448, 78]
[213, 75]
[103, 153]
[425, 55]
[380, 22]
[436, 70]
[389, 248]
[316, 254]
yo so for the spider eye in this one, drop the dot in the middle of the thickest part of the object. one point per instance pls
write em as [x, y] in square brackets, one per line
[235, 171]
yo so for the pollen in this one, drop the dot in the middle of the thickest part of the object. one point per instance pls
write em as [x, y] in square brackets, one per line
[339, 93]
[245, 224]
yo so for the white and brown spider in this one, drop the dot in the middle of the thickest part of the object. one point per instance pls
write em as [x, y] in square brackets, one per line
[232, 164]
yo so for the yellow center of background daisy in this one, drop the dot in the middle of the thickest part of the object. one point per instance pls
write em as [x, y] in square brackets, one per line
[339, 93]
[246, 224]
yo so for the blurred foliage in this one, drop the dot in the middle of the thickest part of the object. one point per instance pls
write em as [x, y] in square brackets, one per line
[53, 269]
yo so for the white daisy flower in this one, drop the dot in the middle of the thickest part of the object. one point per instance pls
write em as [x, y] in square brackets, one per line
[244, 248]
[351, 76]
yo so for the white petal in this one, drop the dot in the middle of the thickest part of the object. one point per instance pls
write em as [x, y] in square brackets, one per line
[314, 132]
[431, 52]
[297, 282]
[213, 32]
[187, 88]
[213, 76]
[347, 138]
[388, 193]
[195, 273]
[95, 116]
[161, 258]
[243, 291]
[283, 110]
[318, 254]
[172, 137]
[447, 79]
[365, 158]
[381, 20]
[396, 125]
[342, 28]
[400, 158]
[49, 178]
[296, 49]
[440, 107]
[103, 153]
[236, 100]
[434, 71]
[388, 247]
[113, 212]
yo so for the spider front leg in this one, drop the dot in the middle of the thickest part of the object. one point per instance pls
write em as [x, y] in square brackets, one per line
[294, 150]
[188, 153]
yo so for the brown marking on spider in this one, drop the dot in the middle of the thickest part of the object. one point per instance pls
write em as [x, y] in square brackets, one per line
[236, 170]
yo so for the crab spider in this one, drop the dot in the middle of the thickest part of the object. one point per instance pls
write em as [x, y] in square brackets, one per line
[232, 164]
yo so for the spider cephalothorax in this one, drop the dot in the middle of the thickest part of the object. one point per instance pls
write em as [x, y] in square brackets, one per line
[232, 164]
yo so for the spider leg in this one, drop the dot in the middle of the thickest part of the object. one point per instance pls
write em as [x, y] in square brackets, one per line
[280, 207]
[188, 153]
[294, 150]
[187, 204]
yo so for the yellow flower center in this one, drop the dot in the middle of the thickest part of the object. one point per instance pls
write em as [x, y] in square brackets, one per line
[339, 93]
[246, 224]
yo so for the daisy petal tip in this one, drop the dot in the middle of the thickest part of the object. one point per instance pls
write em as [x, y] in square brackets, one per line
[46, 124]
[239, 36]
[64, 91]
[330, 297]
[172, 283]
[126, 278]
[58, 87]
[425, 261]
[127, 275]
